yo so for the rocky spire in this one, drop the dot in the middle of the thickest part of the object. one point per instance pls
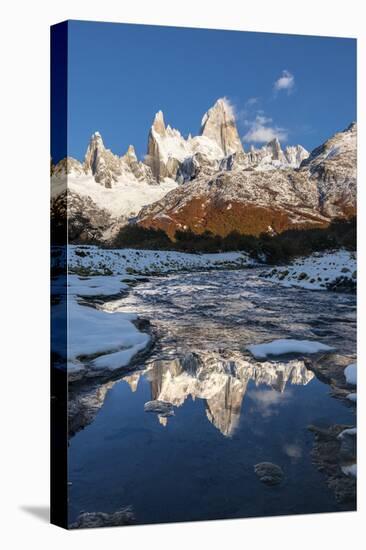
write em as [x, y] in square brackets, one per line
[138, 169]
[275, 147]
[166, 149]
[219, 125]
[101, 162]
[94, 152]
[159, 124]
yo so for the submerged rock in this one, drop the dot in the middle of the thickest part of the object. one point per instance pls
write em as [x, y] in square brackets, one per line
[333, 453]
[269, 473]
[162, 408]
[88, 520]
[330, 369]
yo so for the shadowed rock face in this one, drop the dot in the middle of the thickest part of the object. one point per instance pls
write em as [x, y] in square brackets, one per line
[101, 162]
[107, 168]
[329, 368]
[163, 144]
[140, 170]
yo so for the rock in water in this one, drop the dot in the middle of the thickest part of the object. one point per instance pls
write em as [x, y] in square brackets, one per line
[269, 473]
[162, 408]
[334, 454]
[88, 520]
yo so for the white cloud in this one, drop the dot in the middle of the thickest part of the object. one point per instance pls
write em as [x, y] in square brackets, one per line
[268, 402]
[262, 119]
[285, 82]
[251, 101]
[260, 131]
[293, 450]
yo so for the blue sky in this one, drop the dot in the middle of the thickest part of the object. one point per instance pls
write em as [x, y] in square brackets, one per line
[302, 89]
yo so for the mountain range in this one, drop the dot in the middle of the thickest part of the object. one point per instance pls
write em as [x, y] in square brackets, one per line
[206, 182]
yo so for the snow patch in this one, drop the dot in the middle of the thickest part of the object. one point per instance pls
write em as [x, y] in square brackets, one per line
[286, 346]
[348, 431]
[352, 397]
[350, 470]
[350, 374]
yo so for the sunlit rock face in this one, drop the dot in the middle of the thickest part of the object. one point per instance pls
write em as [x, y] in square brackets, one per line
[222, 381]
[219, 125]
[218, 147]
[67, 166]
[263, 188]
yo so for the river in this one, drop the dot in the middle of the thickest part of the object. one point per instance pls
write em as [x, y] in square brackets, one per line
[230, 410]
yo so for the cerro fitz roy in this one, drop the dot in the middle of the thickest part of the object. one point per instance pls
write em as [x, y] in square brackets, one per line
[206, 182]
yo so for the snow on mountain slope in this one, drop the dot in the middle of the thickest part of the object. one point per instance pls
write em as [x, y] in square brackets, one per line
[125, 198]
[168, 150]
[251, 200]
[239, 200]
[222, 188]
[218, 145]
[334, 166]
[270, 157]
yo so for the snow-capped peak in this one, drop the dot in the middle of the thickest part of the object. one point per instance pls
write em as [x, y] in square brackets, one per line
[275, 146]
[159, 124]
[341, 143]
[131, 153]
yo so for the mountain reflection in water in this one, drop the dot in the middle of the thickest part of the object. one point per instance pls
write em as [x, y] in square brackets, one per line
[220, 381]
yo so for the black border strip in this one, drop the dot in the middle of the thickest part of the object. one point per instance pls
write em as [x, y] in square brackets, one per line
[59, 427]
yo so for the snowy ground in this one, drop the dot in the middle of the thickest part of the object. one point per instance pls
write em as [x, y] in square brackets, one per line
[320, 271]
[101, 336]
[97, 260]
